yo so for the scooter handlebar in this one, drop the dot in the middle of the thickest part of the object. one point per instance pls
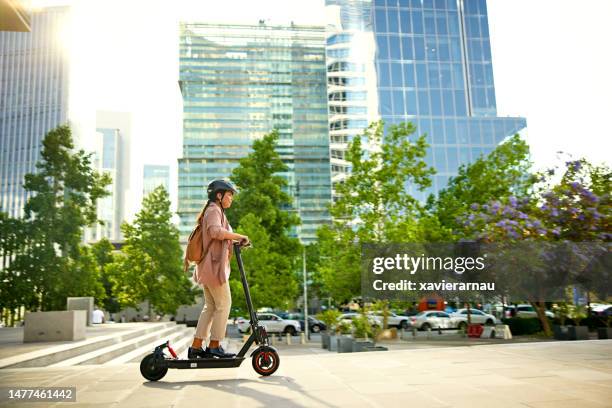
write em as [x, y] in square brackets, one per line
[243, 243]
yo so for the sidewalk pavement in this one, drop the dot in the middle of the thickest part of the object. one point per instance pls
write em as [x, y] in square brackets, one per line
[536, 375]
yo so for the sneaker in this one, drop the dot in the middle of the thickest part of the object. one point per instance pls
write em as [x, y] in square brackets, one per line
[219, 352]
[193, 353]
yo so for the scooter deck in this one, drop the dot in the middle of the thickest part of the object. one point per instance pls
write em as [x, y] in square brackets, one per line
[205, 363]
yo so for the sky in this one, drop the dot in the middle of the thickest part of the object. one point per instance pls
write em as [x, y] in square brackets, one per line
[551, 59]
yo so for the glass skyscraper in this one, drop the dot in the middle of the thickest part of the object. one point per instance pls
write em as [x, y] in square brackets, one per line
[239, 82]
[434, 68]
[33, 99]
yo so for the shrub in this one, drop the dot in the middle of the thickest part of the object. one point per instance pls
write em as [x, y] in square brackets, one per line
[521, 326]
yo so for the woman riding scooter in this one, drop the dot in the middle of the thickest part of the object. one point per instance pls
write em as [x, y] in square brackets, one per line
[214, 270]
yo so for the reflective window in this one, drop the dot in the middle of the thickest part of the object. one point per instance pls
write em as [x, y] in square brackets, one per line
[396, 75]
[394, 47]
[398, 102]
[436, 102]
[447, 103]
[434, 75]
[417, 22]
[453, 23]
[440, 159]
[421, 75]
[446, 80]
[381, 21]
[441, 23]
[393, 26]
[408, 70]
[411, 102]
[430, 22]
[407, 53]
[385, 102]
[384, 78]
[405, 24]
[419, 49]
[423, 103]
[437, 131]
[451, 157]
[460, 106]
[464, 155]
[382, 47]
[451, 133]
[474, 126]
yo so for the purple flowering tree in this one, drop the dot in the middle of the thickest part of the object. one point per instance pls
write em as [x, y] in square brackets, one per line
[569, 210]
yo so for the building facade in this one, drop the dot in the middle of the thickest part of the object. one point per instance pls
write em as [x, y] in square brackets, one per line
[154, 176]
[239, 82]
[34, 73]
[434, 69]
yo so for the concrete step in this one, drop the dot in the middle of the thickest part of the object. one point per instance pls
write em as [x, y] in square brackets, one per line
[136, 355]
[104, 354]
[55, 354]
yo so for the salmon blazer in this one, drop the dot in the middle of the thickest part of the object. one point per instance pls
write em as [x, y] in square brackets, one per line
[211, 271]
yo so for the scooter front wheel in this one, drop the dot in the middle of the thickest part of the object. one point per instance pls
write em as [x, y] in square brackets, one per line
[265, 361]
[151, 370]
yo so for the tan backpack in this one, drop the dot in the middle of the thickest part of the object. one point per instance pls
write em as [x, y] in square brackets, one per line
[194, 253]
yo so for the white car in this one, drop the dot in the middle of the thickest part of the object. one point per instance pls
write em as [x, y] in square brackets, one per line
[435, 319]
[348, 318]
[527, 311]
[272, 323]
[476, 316]
[393, 320]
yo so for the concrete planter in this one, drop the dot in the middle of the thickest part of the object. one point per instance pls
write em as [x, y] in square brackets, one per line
[604, 333]
[578, 332]
[560, 332]
[360, 345]
[55, 326]
[345, 344]
[325, 341]
[333, 343]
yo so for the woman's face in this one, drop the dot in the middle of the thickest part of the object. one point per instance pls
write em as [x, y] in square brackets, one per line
[227, 199]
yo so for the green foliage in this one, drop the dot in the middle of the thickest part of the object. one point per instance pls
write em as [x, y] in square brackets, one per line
[330, 318]
[49, 262]
[373, 205]
[502, 173]
[361, 326]
[271, 280]
[260, 211]
[150, 267]
[103, 253]
[522, 326]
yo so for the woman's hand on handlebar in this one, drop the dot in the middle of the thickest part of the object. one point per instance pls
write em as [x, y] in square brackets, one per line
[244, 241]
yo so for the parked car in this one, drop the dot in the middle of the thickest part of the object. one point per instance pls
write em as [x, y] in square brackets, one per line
[314, 324]
[602, 310]
[348, 318]
[393, 320]
[434, 319]
[526, 311]
[476, 316]
[272, 323]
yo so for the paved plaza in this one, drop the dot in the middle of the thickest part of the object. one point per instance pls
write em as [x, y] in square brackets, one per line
[538, 375]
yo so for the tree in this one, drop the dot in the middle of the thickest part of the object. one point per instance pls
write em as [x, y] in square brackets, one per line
[373, 204]
[566, 212]
[51, 262]
[261, 210]
[504, 172]
[150, 267]
[103, 253]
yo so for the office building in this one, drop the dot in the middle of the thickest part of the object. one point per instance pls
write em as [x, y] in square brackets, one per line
[239, 82]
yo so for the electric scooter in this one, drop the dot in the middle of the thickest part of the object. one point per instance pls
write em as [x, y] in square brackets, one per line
[264, 358]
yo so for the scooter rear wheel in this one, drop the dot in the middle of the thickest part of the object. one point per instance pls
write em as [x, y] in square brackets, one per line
[265, 362]
[151, 370]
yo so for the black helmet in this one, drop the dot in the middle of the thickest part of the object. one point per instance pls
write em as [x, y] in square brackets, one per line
[219, 186]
